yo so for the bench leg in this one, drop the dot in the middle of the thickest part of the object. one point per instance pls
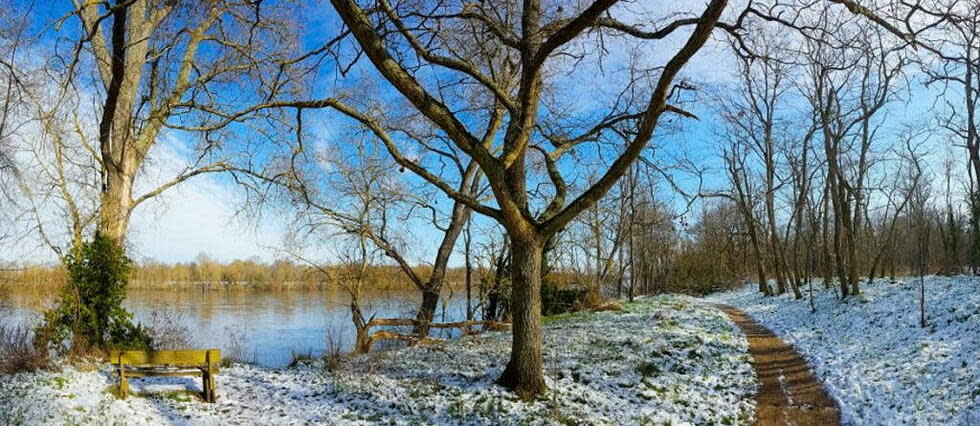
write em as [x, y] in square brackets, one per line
[123, 383]
[207, 379]
[206, 396]
[211, 386]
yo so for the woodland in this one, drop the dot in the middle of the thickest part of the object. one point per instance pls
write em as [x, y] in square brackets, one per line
[537, 157]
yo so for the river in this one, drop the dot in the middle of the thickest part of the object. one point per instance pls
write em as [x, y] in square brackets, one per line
[268, 325]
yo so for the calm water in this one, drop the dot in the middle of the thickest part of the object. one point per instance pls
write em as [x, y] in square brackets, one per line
[270, 324]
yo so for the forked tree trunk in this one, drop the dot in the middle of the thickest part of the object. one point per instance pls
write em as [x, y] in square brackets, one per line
[432, 287]
[362, 341]
[430, 300]
[778, 259]
[121, 153]
[523, 374]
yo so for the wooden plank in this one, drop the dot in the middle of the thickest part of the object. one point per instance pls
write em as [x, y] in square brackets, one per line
[180, 357]
[166, 369]
[151, 373]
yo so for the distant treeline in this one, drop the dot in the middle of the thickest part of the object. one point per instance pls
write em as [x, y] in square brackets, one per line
[213, 274]
[207, 273]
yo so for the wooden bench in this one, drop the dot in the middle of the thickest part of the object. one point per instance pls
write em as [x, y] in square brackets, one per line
[167, 364]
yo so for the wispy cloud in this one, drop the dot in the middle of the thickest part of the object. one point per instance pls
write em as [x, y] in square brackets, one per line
[196, 216]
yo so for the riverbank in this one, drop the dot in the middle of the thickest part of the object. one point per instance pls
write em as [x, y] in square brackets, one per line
[664, 359]
[872, 355]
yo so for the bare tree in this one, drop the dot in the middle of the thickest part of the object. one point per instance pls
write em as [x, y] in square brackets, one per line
[756, 124]
[503, 53]
[848, 88]
[743, 195]
[953, 64]
[345, 196]
[600, 235]
[156, 67]
[950, 223]
[917, 191]
[13, 82]
[494, 270]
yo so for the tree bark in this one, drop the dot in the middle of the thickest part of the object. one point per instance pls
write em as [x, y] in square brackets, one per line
[523, 374]
[827, 264]
[117, 202]
[426, 313]
[362, 342]
[467, 243]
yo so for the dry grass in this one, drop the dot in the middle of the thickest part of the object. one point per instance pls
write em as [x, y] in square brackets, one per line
[333, 356]
[18, 351]
[17, 347]
[299, 357]
[168, 330]
[611, 305]
[237, 351]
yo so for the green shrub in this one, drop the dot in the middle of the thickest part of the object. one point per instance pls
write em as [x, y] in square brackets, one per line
[90, 311]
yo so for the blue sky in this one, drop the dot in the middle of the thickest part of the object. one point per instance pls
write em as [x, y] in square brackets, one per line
[200, 215]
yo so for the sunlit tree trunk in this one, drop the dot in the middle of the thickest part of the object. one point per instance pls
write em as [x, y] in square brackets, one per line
[524, 373]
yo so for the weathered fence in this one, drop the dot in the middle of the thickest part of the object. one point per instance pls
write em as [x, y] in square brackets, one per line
[366, 339]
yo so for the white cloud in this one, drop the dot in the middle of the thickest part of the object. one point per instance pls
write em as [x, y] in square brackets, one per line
[196, 216]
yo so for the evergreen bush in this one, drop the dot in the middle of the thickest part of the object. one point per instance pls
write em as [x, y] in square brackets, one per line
[90, 312]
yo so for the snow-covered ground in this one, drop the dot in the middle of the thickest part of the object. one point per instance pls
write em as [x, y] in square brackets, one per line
[875, 359]
[668, 359]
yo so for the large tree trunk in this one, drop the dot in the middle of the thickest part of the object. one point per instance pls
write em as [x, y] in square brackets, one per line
[120, 151]
[841, 215]
[116, 203]
[839, 258]
[973, 150]
[523, 374]
[852, 263]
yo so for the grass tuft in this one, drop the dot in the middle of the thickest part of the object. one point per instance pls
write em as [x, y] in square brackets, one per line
[298, 358]
[19, 351]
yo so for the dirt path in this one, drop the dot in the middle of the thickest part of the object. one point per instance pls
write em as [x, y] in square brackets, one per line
[789, 394]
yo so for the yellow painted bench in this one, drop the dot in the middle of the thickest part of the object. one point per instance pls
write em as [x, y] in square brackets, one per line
[167, 364]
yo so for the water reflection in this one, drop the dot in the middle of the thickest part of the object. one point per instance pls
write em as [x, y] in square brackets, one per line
[274, 323]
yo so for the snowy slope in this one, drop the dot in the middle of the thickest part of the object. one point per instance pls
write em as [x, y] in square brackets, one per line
[667, 359]
[875, 359]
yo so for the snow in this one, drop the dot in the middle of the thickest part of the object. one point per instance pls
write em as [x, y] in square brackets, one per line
[872, 355]
[666, 359]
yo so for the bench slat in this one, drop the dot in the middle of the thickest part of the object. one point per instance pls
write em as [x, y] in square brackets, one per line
[162, 373]
[198, 357]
